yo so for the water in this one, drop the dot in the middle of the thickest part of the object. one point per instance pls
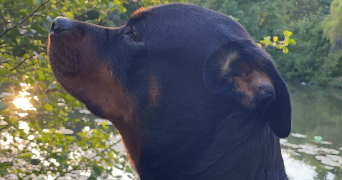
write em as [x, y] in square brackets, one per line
[313, 151]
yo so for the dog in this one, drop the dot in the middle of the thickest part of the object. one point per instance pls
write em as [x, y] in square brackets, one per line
[191, 93]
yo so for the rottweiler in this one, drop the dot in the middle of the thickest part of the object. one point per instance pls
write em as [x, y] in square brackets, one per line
[191, 93]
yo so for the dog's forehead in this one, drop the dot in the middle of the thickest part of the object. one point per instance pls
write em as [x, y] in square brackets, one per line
[171, 11]
[185, 26]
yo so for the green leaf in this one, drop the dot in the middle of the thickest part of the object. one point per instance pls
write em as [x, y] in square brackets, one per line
[41, 78]
[263, 41]
[285, 50]
[3, 72]
[259, 44]
[268, 41]
[287, 33]
[18, 51]
[34, 161]
[275, 38]
[36, 26]
[11, 121]
[68, 97]
[69, 15]
[117, 3]
[48, 107]
[47, 25]
[279, 46]
[97, 170]
[28, 2]
[2, 105]
[292, 42]
[14, 122]
[111, 155]
[104, 125]
[92, 178]
[15, 33]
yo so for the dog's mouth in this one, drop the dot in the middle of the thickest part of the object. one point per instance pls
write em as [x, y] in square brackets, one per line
[72, 59]
[65, 49]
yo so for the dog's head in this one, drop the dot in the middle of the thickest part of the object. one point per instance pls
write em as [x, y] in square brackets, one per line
[168, 62]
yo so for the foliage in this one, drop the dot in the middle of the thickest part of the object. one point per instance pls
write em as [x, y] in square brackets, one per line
[312, 59]
[332, 23]
[278, 44]
[35, 111]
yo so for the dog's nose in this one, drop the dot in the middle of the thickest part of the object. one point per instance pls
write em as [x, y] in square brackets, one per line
[61, 24]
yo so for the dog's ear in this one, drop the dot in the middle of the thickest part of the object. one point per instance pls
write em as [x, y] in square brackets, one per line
[243, 72]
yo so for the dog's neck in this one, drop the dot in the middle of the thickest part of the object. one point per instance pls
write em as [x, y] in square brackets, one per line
[220, 150]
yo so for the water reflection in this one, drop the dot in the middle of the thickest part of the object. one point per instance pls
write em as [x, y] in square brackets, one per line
[313, 150]
[294, 166]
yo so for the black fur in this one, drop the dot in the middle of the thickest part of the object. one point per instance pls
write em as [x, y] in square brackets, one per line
[199, 129]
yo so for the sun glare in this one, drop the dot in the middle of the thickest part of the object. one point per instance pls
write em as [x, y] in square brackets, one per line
[23, 103]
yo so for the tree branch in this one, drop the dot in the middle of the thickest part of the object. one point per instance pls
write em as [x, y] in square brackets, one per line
[41, 5]
[5, 127]
[15, 67]
[25, 19]
[59, 2]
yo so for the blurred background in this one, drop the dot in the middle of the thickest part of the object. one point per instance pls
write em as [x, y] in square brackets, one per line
[46, 134]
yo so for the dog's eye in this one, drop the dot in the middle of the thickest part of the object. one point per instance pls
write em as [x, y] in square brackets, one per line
[133, 35]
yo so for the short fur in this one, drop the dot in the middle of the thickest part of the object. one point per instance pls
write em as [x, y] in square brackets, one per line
[192, 95]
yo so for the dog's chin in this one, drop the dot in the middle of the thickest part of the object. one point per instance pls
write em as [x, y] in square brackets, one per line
[65, 59]
[63, 67]
[96, 110]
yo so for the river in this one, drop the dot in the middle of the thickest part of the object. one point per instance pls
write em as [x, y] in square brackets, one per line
[313, 151]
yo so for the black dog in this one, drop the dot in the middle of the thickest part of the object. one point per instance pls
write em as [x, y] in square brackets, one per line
[192, 95]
